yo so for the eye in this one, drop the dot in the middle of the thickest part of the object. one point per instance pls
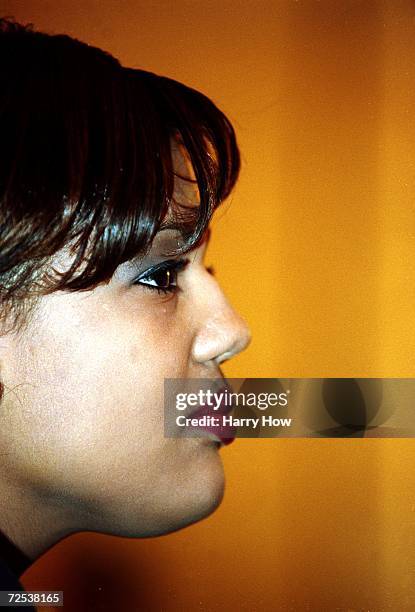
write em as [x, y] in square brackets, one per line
[163, 277]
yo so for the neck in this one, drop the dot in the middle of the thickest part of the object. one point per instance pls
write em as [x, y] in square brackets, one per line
[30, 525]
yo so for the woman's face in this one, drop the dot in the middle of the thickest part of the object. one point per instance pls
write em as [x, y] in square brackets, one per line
[82, 417]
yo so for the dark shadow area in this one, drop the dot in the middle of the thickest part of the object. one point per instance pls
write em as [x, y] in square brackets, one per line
[97, 577]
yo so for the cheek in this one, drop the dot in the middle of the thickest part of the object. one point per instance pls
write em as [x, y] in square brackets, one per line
[85, 402]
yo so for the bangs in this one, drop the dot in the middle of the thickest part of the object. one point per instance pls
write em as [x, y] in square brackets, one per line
[86, 161]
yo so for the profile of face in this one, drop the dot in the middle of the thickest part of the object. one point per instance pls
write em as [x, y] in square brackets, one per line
[81, 419]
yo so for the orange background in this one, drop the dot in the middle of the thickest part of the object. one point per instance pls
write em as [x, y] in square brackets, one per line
[317, 251]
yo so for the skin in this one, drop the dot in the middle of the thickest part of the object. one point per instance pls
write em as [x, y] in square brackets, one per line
[81, 421]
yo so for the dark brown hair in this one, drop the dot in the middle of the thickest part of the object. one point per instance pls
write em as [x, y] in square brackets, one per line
[85, 160]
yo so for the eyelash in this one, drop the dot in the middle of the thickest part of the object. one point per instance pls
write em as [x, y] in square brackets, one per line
[172, 267]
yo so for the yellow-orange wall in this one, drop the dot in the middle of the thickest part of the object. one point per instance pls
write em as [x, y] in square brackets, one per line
[317, 251]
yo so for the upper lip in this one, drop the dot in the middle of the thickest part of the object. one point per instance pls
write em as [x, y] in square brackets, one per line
[222, 409]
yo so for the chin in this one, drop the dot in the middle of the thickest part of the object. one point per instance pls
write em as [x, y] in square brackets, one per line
[188, 500]
[203, 492]
[205, 498]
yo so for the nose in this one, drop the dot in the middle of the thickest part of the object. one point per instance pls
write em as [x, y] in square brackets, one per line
[222, 333]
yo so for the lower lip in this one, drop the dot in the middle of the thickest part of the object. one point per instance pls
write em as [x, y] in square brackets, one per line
[225, 434]
[212, 439]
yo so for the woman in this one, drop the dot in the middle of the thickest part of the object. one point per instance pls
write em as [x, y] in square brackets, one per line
[108, 179]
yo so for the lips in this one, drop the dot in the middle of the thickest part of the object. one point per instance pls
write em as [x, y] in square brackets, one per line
[213, 423]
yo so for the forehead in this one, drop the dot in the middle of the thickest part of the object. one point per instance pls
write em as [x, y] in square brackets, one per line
[183, 211]
[185, 185]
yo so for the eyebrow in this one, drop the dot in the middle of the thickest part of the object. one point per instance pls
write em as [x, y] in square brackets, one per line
[184, 229]
[138, 259]
[164, 242]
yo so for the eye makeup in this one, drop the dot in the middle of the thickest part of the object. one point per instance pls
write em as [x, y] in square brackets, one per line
[163, 276]
[160, 261]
